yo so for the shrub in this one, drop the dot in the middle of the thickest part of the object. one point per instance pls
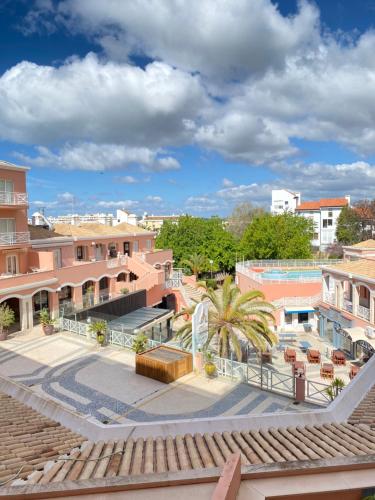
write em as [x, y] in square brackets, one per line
[211, 283]
[6, 317]
[45, 318]
[124, 291]
[140, 343]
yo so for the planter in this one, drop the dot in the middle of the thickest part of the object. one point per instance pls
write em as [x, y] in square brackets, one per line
[48, 329]
[3, 335]
[210, 369]
[100, 337]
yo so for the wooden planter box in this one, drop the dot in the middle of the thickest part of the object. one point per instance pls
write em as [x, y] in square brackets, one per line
[163, 363]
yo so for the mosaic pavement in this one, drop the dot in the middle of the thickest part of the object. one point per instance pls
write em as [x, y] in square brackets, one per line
[102, 383]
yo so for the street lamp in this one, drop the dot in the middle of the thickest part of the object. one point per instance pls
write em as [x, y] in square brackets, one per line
[211, 262]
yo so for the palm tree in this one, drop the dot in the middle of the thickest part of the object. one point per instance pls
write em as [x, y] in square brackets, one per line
[184, 332]
[232, 315]
[196, 263]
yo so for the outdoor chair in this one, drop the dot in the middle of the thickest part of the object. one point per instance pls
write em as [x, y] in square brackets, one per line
[313, 356]
[289, 355]
[338, 358]
[353, 371]
[327, 370]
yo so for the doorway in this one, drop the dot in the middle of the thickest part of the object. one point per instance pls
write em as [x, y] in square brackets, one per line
[127, 248]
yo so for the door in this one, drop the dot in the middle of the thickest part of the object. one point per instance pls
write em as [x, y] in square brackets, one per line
[127, 248]
[6, 191]
[12, 264]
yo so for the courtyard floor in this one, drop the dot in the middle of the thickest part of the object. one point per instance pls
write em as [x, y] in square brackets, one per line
[102, 383]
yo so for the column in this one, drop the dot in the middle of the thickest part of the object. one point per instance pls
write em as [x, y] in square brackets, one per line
[53, 300]
[112, 287]
[355, 300]
[77, 297]
[26, 313]
[372, 311]
[339, 295]
[96, 292]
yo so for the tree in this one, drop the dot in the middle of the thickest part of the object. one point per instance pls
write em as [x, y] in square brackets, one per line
[241, 217]
[185, 331]
[196, 263]
[231, 316]
[284, 236]
[348, 230]
[7, 317]
[205, 237]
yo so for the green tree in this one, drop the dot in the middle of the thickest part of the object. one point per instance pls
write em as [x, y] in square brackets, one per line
[196, 263]
[284, 236]
[231, 316]
[205, 237]
[241, 217]
[348, 229]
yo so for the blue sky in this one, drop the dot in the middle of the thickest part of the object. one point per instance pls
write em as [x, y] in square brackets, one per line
[195, 108]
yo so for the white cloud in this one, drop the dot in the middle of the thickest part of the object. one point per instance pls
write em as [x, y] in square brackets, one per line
[227, 182]
[221, 39]
[113, 103]
[118, 204]
[99, 157]
[127, 179]
[154, 199]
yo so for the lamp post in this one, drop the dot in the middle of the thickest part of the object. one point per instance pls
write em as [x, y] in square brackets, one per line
[211, 262]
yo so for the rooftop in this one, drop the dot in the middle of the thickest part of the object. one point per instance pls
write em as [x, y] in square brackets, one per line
[370, 244]
[323, 203]
[139, 318]
[362, 267]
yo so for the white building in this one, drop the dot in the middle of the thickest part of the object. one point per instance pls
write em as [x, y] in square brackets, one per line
[324, 214]
[284, 200]
[38, 219]
[124, 216]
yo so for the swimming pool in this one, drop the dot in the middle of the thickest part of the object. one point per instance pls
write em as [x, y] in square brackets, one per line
[292, 275]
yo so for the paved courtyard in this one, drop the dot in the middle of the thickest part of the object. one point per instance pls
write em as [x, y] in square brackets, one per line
[101, 382]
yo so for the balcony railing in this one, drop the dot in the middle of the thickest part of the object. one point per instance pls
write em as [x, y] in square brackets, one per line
[122, 260]
[329, 297]
[13, 198]
[14, 238]
[363, 312]
[347, 305]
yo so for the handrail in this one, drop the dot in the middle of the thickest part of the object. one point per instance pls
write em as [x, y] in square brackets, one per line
[13, 198]
[14, 238]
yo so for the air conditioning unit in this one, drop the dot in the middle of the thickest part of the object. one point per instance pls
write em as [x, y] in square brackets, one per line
[370, 332]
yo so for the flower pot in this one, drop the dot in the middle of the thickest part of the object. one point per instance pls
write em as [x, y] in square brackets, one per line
[48, 329]
[100, 337]
[3, 335]
[210, 369]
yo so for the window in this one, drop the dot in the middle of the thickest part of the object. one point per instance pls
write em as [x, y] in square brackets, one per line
[288, 318]
[303, 317]
[330, 214]
[135, 246]
[12, 264]
[327, 223]
[7, 226]
[315, 236]
[80, 253]
[57, 258]
[6, 190]
[148, 244]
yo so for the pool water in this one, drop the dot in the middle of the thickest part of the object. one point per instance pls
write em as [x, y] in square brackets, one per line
[288, 275]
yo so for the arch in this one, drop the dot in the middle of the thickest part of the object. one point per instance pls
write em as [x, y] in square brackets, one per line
[15, 304]
[40, 300]
[121, 277]
[104, 283]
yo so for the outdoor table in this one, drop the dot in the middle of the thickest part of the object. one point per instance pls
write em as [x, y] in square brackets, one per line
[327, 370]
[313, 356]
[353, 371]
[296, 366]
[304, 345]
[266, 357]
[287, 337]
[289, 355]
[338, 358]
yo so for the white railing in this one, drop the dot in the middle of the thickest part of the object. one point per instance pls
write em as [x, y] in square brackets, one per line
[288, 263]
[297, 301]
[347, 305]
[329, 297]
[14, 238]
[13, 198]
[363, 312]
[257, 276]
[122, 260]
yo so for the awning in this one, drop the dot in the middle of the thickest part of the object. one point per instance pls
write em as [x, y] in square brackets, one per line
[298, 309]
[356, 333]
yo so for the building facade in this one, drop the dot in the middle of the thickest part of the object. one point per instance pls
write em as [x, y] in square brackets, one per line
[284, 200]
[155, 222]
[324, 214]
[70, 267]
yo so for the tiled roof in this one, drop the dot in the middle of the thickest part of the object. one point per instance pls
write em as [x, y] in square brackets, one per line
[28, 439]
[147, 456]
[365, 411]
[362, 267]
[323, 203]
[89, 230]
[365, 244]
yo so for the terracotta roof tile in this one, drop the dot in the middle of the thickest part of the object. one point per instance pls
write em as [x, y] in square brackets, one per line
[27, 438]
[362, 267]
[323, 203]
[365, 244]
[365, 411]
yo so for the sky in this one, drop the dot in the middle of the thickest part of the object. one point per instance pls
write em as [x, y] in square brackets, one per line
[187, 106]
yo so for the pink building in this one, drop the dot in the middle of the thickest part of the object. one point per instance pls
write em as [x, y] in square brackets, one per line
[294, 287]
[347, 309]
[72, 266]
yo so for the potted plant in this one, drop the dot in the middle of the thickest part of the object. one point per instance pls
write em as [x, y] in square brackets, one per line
[140, 343]
[6, 320]
[100, 329]
[335, 388]
[46, 321]
[209, 366]
[124, 291]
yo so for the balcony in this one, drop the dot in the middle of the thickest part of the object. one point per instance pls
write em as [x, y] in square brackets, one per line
[363, 312]
[330, 298]
[13, 199]
[347, 306]
[7, 239]
[157, 257]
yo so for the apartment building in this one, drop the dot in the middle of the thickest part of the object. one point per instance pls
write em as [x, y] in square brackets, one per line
[347, 310]
[155, 222]
[284, 200]
[39, 219]
[69, 267]
[324, 214]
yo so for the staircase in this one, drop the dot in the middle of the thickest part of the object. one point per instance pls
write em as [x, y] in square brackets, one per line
[192, 293]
